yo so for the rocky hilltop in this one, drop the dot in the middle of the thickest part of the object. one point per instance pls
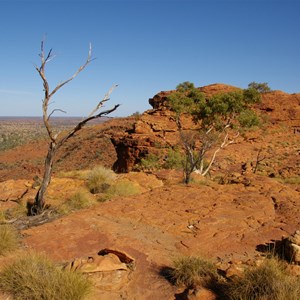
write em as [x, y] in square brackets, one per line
[232, 218]
[155, 130]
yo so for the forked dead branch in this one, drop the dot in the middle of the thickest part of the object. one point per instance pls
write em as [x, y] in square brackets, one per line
[58, 139]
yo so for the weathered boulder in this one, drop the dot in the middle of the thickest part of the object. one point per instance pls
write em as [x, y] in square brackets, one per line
[109, 270]
[292, 247]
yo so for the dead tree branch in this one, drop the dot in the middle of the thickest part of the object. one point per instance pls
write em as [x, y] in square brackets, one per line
[57, 140]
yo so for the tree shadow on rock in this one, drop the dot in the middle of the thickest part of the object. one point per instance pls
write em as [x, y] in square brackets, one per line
[273, 248]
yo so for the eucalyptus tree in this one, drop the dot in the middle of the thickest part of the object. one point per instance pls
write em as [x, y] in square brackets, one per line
[217, 122]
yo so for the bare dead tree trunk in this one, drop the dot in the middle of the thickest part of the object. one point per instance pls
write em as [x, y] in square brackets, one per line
[259, 159]
[39, 198]
[58, 139]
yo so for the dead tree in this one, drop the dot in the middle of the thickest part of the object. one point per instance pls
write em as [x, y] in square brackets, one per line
[58, 139]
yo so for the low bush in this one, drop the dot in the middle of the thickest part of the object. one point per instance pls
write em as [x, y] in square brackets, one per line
[36, 277]
[270, 280]
[100, 179]
[261, 87]
[193, 272]
[8, 239]
[150, 162]
[248, 119]
[174, 160]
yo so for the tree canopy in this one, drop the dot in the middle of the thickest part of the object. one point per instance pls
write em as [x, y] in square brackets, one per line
[213, 116]
[261, 87]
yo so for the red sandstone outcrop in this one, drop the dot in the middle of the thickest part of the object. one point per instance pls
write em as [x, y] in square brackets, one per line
[155, 130]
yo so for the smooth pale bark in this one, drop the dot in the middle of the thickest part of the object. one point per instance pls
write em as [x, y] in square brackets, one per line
[39, 198]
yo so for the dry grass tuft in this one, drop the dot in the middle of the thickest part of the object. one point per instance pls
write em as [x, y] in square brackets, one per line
[270, 280]
[9, 239]
[193, 272]
[100, 179]
[79, 200]
[123, 188]
[35, 277]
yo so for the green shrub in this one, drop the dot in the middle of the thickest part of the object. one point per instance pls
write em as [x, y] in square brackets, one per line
[100, 179]
[194, 271]
[260, 87]
[174, 160]
[36, 277]
[8, 239]
[248, 119]
[151, 161]
[270, 280]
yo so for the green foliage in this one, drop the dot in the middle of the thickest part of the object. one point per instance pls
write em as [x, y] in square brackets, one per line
[248, 119]
[100, 179]
[223, 108]
[151, 161]
[9, 239]
[260, 87]
[194, 271]
[270, 280]
[215, 111]
[185, 98]
[35, 277]
[251, 96]
[174, 159]
[185, 86]
[213, 117]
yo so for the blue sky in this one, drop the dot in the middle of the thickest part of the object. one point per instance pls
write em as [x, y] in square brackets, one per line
[144, 46]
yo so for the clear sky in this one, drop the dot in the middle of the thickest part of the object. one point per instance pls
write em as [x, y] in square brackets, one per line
[144, 46]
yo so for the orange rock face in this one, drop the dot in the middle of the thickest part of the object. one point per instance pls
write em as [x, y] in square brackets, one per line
[157, 128]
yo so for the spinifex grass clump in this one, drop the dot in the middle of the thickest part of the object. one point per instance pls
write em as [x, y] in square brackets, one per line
[268, 281]
[8, 239]
[79, 200]
[100, 179]
[36, 277]
[122, 188]
[193, 272]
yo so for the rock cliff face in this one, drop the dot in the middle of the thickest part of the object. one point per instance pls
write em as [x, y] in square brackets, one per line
[155, 130]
